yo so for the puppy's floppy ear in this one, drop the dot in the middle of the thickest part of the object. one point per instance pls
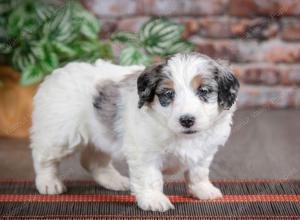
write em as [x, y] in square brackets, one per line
[228, 86]
[147, 82]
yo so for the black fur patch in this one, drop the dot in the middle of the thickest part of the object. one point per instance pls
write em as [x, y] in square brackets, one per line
[106, 101]
[147, 83]
[99, 99]
[228, 87]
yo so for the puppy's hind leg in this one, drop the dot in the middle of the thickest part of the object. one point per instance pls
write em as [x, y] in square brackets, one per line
[47, 180]
[100, 166]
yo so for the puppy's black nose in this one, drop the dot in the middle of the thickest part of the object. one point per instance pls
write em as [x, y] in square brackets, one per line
[187, 121]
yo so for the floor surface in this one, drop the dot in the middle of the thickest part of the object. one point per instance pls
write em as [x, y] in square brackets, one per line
[264, 144]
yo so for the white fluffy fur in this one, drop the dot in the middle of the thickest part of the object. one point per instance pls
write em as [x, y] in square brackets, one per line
[64, 121]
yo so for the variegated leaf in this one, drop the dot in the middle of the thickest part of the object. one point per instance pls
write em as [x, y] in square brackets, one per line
[125, 38]
[180, 46]
[32, 74]
[131, 56]
[159, 34]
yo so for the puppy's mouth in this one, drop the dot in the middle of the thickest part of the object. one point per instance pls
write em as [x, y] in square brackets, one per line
[190, 132]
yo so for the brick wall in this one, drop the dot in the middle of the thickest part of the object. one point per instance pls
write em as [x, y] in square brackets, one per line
[261, 38]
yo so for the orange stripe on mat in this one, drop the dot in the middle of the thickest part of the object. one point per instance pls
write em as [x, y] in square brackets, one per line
[28, 181]
[129, 198]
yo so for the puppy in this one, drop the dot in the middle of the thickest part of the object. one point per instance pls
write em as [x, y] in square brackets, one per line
[172, 115]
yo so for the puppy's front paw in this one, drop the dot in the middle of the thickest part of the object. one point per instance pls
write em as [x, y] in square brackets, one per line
[154, 201]
[49, 185]
[205, 190]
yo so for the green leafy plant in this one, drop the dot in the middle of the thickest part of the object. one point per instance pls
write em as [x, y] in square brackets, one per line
[157, 37]
[37, 36]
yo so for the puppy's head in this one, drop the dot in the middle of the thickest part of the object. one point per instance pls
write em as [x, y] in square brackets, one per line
[188, 91]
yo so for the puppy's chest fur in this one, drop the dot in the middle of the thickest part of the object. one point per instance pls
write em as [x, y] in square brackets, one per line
[189, 151]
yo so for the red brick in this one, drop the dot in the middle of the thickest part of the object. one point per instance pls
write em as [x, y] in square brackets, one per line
[260, 28]
[233, 50]
[183, 7]
[225, 27]
[214, 27]
[191, 25]
[277, 51]
[273, 51]
[270, 8]
[131, 24]
[291, 75]
[269, 97]
[268, 74]
[242, 8]
[216, 49]
[112, 8]
[297, 99]
[291, 29]
[258, 74]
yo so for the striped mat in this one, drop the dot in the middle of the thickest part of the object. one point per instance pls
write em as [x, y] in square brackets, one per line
[85, 199]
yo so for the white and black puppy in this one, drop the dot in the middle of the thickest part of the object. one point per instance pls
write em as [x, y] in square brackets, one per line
[171, 115]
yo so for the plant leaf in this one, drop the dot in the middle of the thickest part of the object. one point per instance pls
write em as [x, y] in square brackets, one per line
[31, 75]
[88, 31]
[64, 49]
[38, 51]
[105, 51]
[60, 27]
[7, 5]
[21, 59]
[158, 35]
[4, 7]
[44, 10]
[15, 22]
[50, 63]
[34, 73]
[47, 35]
[89, 24]
[180, 46]
[5, 48]
[132, 55]
[87, 46]
[125, 37]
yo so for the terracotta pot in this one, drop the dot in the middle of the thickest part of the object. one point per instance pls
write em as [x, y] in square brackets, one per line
[15, 104]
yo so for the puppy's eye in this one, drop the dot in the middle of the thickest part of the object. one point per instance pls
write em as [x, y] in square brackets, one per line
[166, 96]
[169, 93]
[202, 92]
